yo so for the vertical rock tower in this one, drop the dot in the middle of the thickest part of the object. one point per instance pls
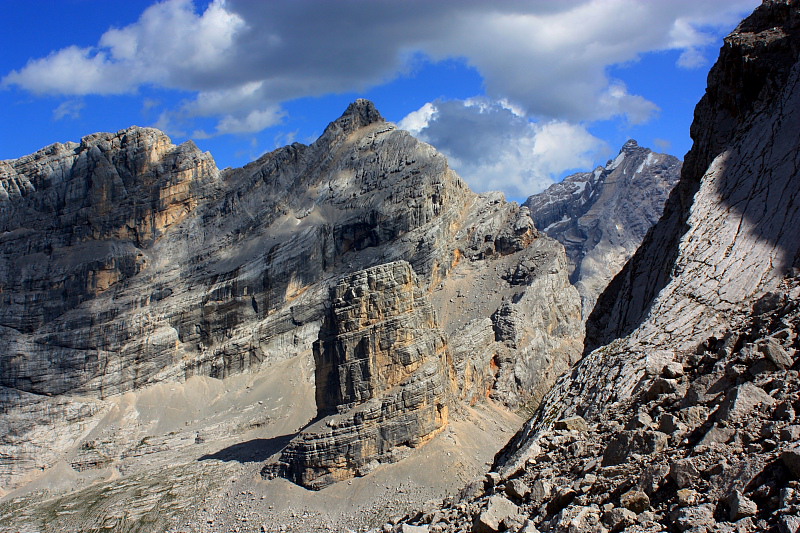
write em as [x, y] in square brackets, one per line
[383, 375]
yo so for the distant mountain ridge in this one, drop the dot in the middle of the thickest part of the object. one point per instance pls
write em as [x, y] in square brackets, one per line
[602, 216]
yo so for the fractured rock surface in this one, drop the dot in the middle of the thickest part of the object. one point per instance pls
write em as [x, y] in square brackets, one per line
[690, 391]
[128, 262]
[383, 377]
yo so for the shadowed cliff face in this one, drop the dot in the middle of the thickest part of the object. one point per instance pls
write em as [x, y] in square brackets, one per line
[685, 417]
[181, 270]
[718, 253]
[742, 157]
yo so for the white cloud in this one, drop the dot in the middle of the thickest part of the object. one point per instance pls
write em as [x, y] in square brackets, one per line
[170, 46]
[493, 148]
[241, 58]
[418, 120]
[68, 109]
[256, 120]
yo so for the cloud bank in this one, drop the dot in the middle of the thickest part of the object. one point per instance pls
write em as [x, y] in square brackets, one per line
[493, 147]
[239, 60]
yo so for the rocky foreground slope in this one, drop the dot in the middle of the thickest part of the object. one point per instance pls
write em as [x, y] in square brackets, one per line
[685, 417]
[601, 217]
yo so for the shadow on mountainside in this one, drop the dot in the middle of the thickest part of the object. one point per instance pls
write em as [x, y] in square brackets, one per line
[252, 451]
[749, 80]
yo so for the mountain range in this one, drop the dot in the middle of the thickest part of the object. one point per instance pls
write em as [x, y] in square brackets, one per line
[339, 335]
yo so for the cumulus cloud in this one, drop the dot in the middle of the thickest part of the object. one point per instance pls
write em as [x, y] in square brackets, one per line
[242, 58]
[493, 147]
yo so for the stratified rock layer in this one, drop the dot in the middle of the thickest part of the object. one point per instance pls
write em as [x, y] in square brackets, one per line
[383, 376]
[127, 262]
[601, 217]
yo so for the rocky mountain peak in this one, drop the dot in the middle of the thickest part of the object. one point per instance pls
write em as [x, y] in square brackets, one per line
[124, 274]
[602, 216]
[358, 114]
[630, 146]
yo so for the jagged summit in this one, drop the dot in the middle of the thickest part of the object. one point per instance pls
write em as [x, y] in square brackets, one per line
[358, 114]
[602, 216]
[630, 146]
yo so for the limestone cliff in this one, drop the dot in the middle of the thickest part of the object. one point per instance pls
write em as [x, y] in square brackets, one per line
[383, 377]
[717, 272]
[601, 217]
[128, 262]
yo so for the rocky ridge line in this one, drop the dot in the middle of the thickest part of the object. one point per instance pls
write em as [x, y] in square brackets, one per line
[687, 421]
[240, 281]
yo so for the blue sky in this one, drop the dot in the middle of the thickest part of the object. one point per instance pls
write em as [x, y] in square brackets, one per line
[516, 93]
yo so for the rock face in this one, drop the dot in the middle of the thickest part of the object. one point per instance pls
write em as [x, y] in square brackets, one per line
[737, 248]
[601, 217]
[690, 403]
[733, 207]
[384, 378]
[127, 262]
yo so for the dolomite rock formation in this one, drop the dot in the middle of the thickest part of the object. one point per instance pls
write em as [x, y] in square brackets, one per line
[685, 418]
[383, 376]
[128, 262]
[601, 217]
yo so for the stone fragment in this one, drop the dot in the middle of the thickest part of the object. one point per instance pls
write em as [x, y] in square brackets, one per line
[642, 442]
[579, 519]
[790, 433]
[516, 488]
[652, 477]
[684, 472]
[574, 423]
[775, 353]
[656, 360]
[694, 416]
[740, 506]
[635, 500]
[670, 424]
[784, 411]
[687, 497]
[640, 420]
[672, 370]
[562, 497]
[541, 491]
[529, 527]
[741, 401]
[497, 510]
[697, 518]
[414, 529]
[717, 435]
[789, 524]
[791, 458]
[662, 386]
[618, 519]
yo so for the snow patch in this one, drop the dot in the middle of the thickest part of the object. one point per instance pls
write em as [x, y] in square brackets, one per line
[616, 162]
[646, 163]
